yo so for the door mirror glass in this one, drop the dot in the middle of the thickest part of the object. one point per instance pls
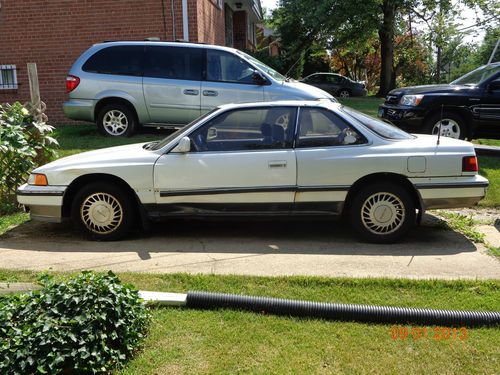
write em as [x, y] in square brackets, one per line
[183, 146]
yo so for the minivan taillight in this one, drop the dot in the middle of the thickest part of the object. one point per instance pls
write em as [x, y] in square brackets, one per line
[71, 83]
[469, 164]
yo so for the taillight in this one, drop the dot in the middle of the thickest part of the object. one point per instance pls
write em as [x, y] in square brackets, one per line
[71, 83]
[469, 164]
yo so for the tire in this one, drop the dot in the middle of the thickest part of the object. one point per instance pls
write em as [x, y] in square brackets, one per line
[382, 212]
[452, 126]
[344, 93]
[103, 211]
[116, 120]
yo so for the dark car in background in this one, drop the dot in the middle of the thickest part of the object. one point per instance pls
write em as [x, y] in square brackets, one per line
[336, 85]
[468, 107]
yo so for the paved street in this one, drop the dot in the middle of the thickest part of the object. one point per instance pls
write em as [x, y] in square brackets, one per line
[291, 247]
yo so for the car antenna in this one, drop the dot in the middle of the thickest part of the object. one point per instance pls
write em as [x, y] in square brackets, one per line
[440, 123]
[293, 66]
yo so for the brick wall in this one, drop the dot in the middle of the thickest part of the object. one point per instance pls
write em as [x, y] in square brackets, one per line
[54, 33]
[211, 28]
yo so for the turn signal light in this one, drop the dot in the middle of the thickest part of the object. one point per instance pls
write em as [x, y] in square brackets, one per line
[38, 179]
[72, 83]
[469, 164]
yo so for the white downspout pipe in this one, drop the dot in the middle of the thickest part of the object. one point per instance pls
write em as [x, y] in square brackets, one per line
[185, 22]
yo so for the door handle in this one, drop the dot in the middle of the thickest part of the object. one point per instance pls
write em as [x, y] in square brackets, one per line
[191, 92]
[277, 164]
[210, 93]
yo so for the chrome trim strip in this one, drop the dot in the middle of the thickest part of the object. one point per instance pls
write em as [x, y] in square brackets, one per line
[453, 185]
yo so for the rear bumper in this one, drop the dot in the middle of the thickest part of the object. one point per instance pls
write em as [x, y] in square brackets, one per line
[461, 192]
[44, 202]
[79, 109]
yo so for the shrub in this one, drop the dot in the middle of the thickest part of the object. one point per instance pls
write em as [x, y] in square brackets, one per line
[24, 145]
[89, 324]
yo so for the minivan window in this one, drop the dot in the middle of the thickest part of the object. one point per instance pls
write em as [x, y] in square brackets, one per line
[173, 62]
[122, 60]
[223, 66]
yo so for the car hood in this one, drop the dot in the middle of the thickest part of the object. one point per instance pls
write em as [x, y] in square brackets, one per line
[120, 155]
[431, 89]
[303, 88]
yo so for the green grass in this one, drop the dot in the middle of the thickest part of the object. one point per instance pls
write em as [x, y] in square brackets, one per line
[489, 167]
[11, 220]
[368, 104]
[463, 224]
[488, 142]
[74, 139]
[225, 341]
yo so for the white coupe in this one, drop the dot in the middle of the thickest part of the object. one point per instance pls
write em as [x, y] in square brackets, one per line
[279, 158]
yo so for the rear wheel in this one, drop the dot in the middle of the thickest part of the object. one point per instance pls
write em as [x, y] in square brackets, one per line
[382, 212]
[116, 120]
[344, 93]
[452, 125]
[103, 211]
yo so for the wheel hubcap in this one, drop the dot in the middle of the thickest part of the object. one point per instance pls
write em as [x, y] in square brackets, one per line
[115, 122]
[101, 213]
[382, 213]
[449, 128]
[344, 94]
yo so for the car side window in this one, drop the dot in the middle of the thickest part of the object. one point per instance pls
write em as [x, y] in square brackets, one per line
[223, 66]
[174, 62]
[319, 127]
[121, 60]
[334, 79]
[264, 128]
[318, 78]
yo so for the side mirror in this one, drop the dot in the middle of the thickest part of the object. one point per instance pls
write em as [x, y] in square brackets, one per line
[494, 86]
[183, 146]
[258, 78]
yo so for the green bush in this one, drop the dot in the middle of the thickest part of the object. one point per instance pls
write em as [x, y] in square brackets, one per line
[89, 324]
[24, 145]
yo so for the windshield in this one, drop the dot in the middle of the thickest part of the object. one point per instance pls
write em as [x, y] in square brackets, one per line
[172, 136]
[273, 73]
[379, 127]
[477, 76]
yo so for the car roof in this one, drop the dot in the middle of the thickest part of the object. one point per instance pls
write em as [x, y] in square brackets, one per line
[158, 43]
[325, 103]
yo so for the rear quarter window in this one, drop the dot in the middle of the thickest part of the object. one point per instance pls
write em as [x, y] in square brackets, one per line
[122, 60]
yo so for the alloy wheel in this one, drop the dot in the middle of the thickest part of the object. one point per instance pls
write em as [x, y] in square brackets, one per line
[115, 122]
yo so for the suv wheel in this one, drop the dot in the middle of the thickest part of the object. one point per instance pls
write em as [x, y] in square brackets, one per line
[382, 212]
[103, 211]
[344, 93]
[116, 120]
[452, 125]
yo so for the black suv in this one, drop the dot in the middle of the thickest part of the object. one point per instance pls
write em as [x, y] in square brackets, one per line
[468, 107]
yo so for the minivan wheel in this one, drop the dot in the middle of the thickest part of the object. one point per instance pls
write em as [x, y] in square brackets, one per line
[103, 211]
[382, 212]
[452, 125]
[344, 93]
[116, 120]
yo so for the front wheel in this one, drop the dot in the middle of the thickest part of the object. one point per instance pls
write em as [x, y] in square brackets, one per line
[450, 124]
[382, 212]
[103, 211]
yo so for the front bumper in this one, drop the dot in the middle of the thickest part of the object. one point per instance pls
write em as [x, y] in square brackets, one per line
[451, 193]
[44, 202]
[407, 118]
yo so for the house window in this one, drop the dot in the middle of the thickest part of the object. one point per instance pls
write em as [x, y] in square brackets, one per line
[8, 77]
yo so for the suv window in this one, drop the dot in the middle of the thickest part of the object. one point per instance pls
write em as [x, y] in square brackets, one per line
[223, 66]
[123, 60]
[247, 129]
[173, 62]
[319, 127]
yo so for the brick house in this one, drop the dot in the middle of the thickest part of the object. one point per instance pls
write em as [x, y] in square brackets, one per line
[53, 33]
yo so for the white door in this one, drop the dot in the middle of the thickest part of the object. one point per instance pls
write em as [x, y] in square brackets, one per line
[229, 79]
[241, 161]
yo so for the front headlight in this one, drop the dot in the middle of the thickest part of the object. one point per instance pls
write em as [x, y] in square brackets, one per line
[37, 179]
[411, 100]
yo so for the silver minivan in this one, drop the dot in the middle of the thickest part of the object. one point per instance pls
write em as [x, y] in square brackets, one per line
[123, 85]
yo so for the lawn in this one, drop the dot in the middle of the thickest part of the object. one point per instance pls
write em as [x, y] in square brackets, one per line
[224, 341]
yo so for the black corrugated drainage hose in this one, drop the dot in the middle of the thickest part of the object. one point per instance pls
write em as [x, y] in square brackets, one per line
[345, 312]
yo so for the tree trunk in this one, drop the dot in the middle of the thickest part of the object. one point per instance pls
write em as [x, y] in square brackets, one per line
[386, 36]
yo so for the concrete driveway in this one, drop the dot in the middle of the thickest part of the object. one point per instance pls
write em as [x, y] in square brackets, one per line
[270, 247]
